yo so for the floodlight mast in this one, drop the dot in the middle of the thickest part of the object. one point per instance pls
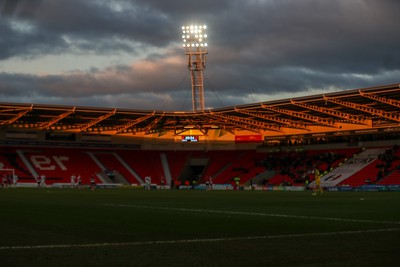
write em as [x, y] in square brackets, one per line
[194, 39]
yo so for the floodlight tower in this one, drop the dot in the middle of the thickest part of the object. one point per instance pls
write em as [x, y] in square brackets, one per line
[195, 43]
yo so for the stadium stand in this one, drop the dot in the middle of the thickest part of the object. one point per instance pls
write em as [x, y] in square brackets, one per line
[245, 166]
[295, 168]
[276, 142]
[114, 167]
[343, 167]
[391, 179]
[144, 163]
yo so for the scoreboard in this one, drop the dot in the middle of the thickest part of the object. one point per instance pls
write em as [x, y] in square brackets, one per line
[190, 138]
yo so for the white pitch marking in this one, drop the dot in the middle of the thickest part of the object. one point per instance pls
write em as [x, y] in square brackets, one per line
[202, 240]
[257, 214]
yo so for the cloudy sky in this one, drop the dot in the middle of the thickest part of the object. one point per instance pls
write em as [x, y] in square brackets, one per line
[128, 53]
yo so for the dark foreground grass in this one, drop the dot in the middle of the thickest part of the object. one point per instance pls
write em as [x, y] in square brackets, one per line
[198, 228]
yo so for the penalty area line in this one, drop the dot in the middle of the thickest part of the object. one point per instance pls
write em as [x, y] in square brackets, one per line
[201, 240]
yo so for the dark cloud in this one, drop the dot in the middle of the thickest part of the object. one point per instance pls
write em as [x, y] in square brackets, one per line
[256, 47]
[19, 8]
[8, 7]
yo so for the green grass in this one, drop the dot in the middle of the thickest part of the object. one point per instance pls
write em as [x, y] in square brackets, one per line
[218, 228]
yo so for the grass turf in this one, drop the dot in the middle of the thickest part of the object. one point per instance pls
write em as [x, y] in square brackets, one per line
[198, 228]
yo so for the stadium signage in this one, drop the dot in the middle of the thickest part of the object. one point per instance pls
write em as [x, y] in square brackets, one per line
[21, 135]
[392, 129]
[248, 138]
[190, 138]
[96, 137]
[59, 136]
[319, 134]
[367, 131]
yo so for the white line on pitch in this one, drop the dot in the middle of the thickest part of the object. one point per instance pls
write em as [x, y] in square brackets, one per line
[256, 214]
[201, 240]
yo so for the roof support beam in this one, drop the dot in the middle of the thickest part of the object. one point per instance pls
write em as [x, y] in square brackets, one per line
[367, 109]
[385, 100]
[314, 119]
[123, 127]
[97, 120]
[226, 119]
[152, 124]
[335, 113]
[18, 116]
[245, 123]
[47, 125]
[180, 131]
[203, 131]
[284, 122]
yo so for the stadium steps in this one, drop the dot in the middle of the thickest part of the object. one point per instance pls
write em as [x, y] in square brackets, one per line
[368, 173]
[250, 161]
[144, 163]
[166, 169]
[232, 168]
[112, 161]
[10, 161]
[219, 161]
[104, 178]
[355, 171]
[176, 161]
[262, 177]
[247, 166]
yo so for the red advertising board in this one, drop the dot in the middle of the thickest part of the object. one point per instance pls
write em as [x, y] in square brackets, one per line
[255, 138]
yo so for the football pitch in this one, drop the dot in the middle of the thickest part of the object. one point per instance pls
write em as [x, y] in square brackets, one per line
[123, 227]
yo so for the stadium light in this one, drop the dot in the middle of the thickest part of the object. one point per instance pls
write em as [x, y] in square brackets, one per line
[194, 36]
[194, 41]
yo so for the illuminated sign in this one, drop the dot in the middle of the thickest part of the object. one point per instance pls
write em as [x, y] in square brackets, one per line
[190, 138]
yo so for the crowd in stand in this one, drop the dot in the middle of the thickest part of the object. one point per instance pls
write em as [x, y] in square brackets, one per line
[387, 159]
[297, 166]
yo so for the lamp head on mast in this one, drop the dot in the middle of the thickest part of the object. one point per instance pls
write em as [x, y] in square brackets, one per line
[194, 37]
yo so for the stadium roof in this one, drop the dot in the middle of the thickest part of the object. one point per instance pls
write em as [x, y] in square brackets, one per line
[358, 109]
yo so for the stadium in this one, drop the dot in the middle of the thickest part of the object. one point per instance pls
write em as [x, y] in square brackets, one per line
[50, 216]
[309, 180]
[120, 147]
